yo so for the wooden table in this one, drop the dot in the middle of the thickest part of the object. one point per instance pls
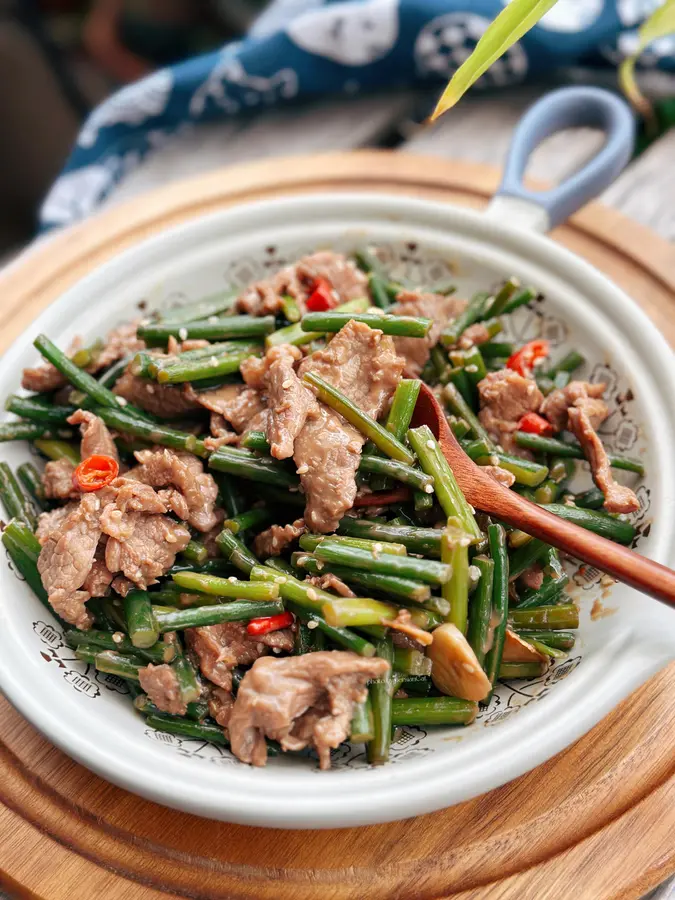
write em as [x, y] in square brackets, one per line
[478, 130]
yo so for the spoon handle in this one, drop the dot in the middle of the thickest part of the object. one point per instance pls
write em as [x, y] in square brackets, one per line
[621, 563]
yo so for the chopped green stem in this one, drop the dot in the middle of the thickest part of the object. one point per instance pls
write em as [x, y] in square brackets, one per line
[569, 448]
[502, 298]
[569, 363]
[455, 552]
[378, 465]
[140, 617]
[563, 616]
[17, 504]
[473, 312]
[235, 552]
[196, 712]
[547, 594]
[480, 609]
[36, 411]
[343, 637]
[246, 464]
[459, 407]
[559, 640]
[411, 662]
[525, 471]
[160, 652]
[112, 375]
[592, 499]
[447, 490]
[256, 518]
[495, 350]
[525, 556]
[378, 291]
[226, 587]
[188, 683]
[31, 482]
[24, 548]
[27, 431]
[255, 440]
[433, 711]
[472, 362]
[358, 611]
[594, 520]
[200, 309]
[310, 542]
[302, 642]
[236, 611]
[500, 602]
[509, 670]
[403, 407]
[459, 427]
[519, 300]
[476, 449]
[195, 553]
[381, 698]
[401, 326]
[110, 662]
[185, 728]
[384, 440]
[213, 367]
[426, 541]
[54, 449]
[230, 498]
[426, 570]
[303, 595]
[226, 327]
[363, 728]
[154, 432]
[458, 377]
[545, 650]
[293, 334]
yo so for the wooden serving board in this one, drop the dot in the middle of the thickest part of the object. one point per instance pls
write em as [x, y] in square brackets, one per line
[596, 821]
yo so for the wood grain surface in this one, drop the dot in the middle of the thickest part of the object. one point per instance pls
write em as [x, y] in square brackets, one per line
[595, 821]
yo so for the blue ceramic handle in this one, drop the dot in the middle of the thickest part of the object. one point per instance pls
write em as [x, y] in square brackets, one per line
[571, 107]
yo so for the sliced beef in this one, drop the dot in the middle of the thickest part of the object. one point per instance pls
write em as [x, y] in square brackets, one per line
[127, 498]
[162, 400]
[273, 541]
[220, 703]
[150, 549]
[121, 342]
[66, 559]
[97, 583]
[505, 396]
[52, 521]
[57, 480]
[161, 468]
[501, 476]
[532, 578]
[330, 582]
[238, 404]
[580, 394]
[96, 439]
[160, 683]
[122, 585]
[289, 401]
[299, 701]
[474, 334]
[221, 434]
[437, 307]
[219, 648]
[363, 364]
[266, 297]
[618, 497]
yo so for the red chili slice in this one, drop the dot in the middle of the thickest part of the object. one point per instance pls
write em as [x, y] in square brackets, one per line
[525, 359]
[536, 424]
[95, 472]
[322, 297]
[269, 623]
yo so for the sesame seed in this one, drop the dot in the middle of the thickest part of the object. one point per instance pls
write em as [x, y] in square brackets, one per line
[377, 548]
[281, 579]
[494, 460]
[170, 537]
[182, 333]
[232, 579]
[468, 667]
[302, 470]
[122, 401]
[428, 488]
[312, 624]
[286, 384]
[212, 320]
[430, 445]
[118, 637]
[474, 573]
[276, 650]
[471, 369]
[116, 514]
[312, 594]
[150, 388]
[214, 360]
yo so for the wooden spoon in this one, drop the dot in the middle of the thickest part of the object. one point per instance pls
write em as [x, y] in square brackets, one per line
[485, 494]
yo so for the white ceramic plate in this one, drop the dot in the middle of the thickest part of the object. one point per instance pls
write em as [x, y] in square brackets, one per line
[88, 715]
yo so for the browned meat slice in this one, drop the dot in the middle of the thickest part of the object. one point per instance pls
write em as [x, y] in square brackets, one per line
[474, 334]
[219, 648]
[126, 498]
[432, 306]
[404, 624]
[57, 480]
[289, 401]
[221, 703]
[122, 585]
[273, 541]
[52, 521]
[505, 396]
[363, 364]
[532, 578]
[161, 685]
[330, 582]
[121, 341]
[161, 468]
[239, 405]
[501, 476]
[97, 582]
[42, 378]
[299, 701]
[162, 400]
[221, 435]
[66, 559]
[265, 297]
[150, 549]
[618, 498]
[577, 393]
[96, 438]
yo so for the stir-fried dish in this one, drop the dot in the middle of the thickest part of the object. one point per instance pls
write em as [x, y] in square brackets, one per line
[239, 516]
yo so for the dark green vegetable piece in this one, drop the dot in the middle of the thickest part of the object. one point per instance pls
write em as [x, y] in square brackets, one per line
[38, 411]
[392, 468]
[196, 712]
[519, 300]
[188, 683]
[502, 298]
[593, 520]
[455, 552]
[236, 611]
[110, 662]
[54, 449]
[256, 518]
[592, 499]
[154, 432]
[480, 608]
[458, 405]
[363, 727]
[255, 440]
[426, 570]
[548, 593]
[195, 553]
[246, 464]
[141, 624]
[27, 431]
[546, 618]
[509, 670]
[559, 640]
[185, 728]
[473, 312]
[426, 541]
[433, 711]
[31, 482]
[161, 652]
[343, 637]
[380, 692]
[495, 350]
[569, 448]
[401, 326]
[500, 602]
[200, 309]
[17, 504]
[525, 556]
[226, 587]
[235, 552]
[24, 548]
[227, 327]
[200, 369]
[525, 471]
[568, 363]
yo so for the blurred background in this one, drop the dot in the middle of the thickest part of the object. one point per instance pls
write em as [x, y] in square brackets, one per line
[62, 57]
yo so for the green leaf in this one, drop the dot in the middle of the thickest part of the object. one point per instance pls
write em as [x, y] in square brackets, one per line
[510, 25]
[660, 24]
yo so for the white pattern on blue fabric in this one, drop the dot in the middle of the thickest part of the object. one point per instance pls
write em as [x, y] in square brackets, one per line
[257, 89]
[353, 34]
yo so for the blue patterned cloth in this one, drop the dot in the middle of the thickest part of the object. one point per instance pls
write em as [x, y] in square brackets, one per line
[303, 49]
